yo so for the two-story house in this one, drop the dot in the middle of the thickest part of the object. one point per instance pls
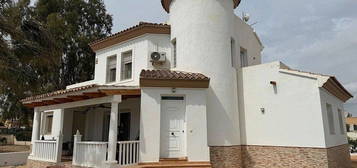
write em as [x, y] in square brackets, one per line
[191, 93]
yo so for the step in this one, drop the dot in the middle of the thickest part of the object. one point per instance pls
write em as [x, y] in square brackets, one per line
[176, 163]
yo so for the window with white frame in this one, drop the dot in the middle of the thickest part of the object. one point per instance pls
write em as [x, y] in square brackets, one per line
[330, 117]
[111, 68]
[126, 65]
[48, 123]
[340, 120]
[174, 53]
[233, 53]
[243, 57]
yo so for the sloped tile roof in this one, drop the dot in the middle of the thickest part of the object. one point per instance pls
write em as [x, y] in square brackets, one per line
[74, 90]
[172, 75]
[59, 92]
[332, 84]
[129, 33]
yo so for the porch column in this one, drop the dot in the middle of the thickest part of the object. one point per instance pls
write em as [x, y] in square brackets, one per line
[59, 136]
[35, 128]
[113, 130]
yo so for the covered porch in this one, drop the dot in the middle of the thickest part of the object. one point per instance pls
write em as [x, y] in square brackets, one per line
[90, 126]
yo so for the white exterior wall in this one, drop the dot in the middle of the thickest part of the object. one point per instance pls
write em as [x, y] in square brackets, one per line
[139, 47]
[94, 124]
[160, 43]
[142, 47]
[248, 40]
[339, 137]
[203, 31]
[197, 147]
[292, 115]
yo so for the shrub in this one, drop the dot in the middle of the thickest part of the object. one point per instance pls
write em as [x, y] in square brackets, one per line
[23, 135]
[3, 141]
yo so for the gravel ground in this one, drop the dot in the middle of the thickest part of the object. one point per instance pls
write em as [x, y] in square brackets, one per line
[13, 148]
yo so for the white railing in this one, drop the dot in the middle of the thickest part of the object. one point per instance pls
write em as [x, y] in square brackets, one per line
[90, 154]
[128, 152]
[45, 151]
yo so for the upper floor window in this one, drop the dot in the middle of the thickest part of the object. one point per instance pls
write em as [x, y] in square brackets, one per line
[243, 57]
[340, 120]
[233, 52]
[126, 65]
[174, 53]
[48, 123]
[331, 119]
[111, 69]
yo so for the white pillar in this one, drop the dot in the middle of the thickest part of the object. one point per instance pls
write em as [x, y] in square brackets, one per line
[113, 130]
[35, 128]
[77, 138]
[59, 136]
[59, 139]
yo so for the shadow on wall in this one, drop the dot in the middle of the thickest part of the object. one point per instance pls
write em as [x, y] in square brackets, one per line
[218, 115]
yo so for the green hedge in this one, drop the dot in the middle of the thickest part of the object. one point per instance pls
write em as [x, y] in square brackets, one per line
[20, 134]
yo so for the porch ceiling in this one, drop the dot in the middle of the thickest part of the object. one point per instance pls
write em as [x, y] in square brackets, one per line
[79, 94]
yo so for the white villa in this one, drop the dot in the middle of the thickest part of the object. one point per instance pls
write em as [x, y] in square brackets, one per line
[191, 93]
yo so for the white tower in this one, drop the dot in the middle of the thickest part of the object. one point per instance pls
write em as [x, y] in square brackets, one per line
[203, 30]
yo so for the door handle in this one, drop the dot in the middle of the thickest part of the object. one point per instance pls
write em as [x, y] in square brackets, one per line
[172, 133]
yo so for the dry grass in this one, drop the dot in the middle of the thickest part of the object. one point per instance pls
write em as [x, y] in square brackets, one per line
[13, 167]
[13, 148]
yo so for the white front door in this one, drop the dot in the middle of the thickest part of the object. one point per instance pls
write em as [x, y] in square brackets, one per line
[173, 127]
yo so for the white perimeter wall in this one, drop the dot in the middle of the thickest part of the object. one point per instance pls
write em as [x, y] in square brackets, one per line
[293, 115]
[197, 147]
[339, 137]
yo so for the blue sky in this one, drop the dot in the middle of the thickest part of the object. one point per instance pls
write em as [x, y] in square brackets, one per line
[317, 36]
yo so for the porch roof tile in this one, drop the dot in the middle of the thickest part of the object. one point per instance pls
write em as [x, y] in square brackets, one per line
[172, 75]
[176, 79]
[79, 93]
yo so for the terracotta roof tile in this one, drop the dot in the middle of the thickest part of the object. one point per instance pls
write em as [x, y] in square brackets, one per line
[172, 75]
[72, 90]
[59, 92]
[131, 29]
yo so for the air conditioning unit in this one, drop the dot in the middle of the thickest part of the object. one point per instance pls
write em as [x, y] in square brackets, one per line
[158, 57]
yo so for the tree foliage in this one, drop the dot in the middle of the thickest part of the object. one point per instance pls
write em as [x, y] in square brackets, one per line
[45, 47]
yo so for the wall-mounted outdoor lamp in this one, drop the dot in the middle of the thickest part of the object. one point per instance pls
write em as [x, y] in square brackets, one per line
[262, 110]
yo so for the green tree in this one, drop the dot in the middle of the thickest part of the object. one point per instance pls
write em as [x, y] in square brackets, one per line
[45, 47]
[75, 23]
[27, 50]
